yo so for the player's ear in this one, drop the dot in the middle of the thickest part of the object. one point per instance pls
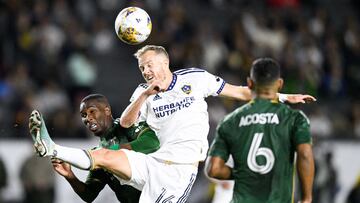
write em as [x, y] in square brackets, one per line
[250, 83]
[280, 82]
[107, 111]
[166, 62]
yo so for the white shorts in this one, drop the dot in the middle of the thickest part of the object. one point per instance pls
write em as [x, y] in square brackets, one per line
[160, 181]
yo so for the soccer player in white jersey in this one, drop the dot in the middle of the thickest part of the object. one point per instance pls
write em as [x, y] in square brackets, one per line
[173, 104]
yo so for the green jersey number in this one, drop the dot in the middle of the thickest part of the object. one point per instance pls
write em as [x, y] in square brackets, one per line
[255, 151]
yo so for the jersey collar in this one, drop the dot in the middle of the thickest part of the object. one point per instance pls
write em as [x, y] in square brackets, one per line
[109, 133]
[264, 100]
[172, 84]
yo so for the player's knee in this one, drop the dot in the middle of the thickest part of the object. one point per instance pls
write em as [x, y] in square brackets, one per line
[108, 155]
[101, 156]
[110, 158]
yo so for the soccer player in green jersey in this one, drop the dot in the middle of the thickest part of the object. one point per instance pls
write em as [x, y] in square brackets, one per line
[96, 115]
[264, 137]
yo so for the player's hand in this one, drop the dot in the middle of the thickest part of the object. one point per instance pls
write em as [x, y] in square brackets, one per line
[62, 168]
[299, 98]
[154, 88]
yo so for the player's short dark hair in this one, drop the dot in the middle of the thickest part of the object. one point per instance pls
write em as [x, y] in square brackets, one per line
[97, 97]
[264, 71]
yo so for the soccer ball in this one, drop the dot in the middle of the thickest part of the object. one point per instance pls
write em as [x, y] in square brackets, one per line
[133, 25]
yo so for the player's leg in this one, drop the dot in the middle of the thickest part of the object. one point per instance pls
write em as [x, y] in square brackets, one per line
[45, 146]
[114, 161]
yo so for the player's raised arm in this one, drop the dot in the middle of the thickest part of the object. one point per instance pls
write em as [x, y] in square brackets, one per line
[131, 113]
[244, 93]
[236, 92]
[296, 98]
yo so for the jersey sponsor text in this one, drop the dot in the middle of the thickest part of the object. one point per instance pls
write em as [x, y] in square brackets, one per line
[168, 109]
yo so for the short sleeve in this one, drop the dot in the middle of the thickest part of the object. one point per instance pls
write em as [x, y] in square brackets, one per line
[219, 146]
[143, 111]
[212, 84]
[301, 129]
[140, 89]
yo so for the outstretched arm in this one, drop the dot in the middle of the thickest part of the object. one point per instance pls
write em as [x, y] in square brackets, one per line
[244, 93]
[296, 98]
[87, 191]
[236, 92]
[305, 168]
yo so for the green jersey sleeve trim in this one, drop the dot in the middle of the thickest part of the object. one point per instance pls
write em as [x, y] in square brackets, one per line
[147, 142]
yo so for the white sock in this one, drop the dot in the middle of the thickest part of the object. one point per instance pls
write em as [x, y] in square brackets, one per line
[74, 156]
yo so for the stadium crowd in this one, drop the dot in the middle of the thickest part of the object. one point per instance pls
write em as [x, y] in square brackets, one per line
[52, 53]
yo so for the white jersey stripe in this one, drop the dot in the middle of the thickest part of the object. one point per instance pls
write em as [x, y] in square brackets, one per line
[193, 71]
[187, 69]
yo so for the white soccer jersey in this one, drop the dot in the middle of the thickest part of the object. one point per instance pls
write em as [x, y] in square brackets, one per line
[179, 115]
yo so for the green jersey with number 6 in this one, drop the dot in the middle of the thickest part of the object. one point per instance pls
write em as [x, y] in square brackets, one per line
[262, 137]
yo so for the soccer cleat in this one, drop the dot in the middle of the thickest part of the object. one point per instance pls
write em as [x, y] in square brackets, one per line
[43, 144]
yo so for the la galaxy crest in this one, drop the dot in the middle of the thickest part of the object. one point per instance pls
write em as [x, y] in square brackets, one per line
[186, 89]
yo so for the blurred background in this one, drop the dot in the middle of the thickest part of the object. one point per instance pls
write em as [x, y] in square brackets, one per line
[55, 52]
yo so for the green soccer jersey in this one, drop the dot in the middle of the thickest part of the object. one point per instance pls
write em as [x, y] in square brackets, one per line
[262, 137]
[142, 139]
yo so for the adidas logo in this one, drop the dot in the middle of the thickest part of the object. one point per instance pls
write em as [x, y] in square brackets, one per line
[157, 97]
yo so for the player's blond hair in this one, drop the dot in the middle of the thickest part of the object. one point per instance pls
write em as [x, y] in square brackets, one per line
[157, 49]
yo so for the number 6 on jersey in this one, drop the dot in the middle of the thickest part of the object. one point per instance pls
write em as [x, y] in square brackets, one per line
[255, 151]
